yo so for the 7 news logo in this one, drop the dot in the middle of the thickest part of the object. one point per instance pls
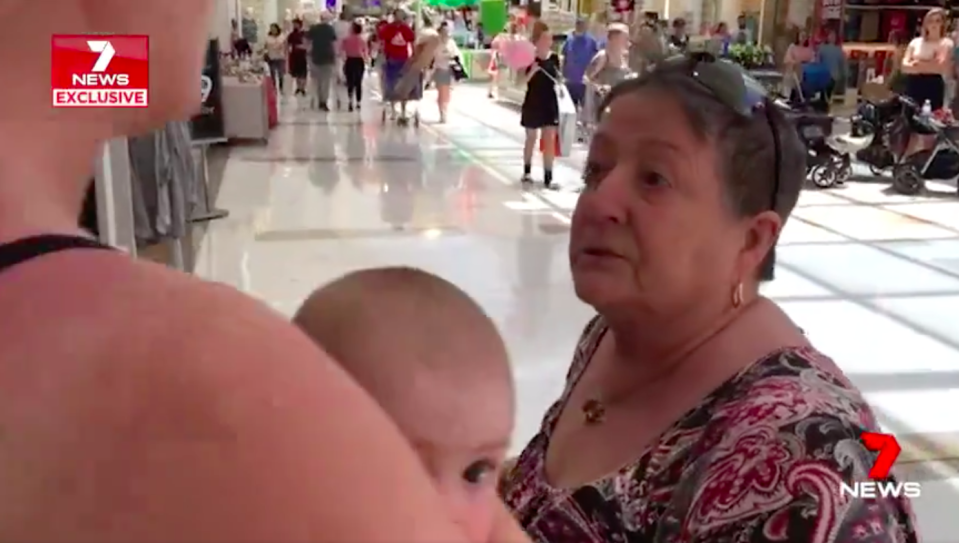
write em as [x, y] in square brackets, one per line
[100, 71]
[881, 486]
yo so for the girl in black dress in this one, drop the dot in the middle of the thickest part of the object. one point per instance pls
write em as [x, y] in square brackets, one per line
[296, 47]
[540, 113]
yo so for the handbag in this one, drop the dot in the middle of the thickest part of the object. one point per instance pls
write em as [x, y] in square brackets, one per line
[566, 131]
[456, 67]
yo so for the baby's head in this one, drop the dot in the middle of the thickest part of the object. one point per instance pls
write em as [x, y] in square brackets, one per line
[436, 363]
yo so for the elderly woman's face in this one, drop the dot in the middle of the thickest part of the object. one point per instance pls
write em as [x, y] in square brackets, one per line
[652, 227]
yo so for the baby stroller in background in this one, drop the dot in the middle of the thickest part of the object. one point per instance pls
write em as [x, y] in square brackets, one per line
[894, 121]
[887, 121]
[824, 165]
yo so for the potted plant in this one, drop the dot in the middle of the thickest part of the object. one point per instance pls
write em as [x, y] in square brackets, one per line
[750, 56]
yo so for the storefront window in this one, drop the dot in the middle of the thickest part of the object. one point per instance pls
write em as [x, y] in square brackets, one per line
[868, 22]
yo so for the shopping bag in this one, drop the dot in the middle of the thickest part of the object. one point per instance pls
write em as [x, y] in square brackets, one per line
[566, 132]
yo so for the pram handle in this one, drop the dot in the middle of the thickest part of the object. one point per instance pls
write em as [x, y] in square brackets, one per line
[908, 102]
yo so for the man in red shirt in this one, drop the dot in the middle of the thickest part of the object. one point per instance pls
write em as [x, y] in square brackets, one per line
[396, 39]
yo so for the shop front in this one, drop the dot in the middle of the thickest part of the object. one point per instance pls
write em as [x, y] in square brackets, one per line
[872, 31]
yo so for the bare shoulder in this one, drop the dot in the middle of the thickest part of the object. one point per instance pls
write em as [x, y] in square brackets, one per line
[205, 416]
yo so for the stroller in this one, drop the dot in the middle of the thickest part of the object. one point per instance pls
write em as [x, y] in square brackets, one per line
[824, 165]
[893, 122]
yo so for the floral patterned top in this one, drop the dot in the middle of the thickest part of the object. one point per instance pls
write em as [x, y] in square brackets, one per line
[759, 460]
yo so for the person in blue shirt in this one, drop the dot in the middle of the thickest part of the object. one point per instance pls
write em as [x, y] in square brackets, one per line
[578, 52]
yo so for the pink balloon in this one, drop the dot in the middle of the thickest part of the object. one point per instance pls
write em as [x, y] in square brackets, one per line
[519, 54]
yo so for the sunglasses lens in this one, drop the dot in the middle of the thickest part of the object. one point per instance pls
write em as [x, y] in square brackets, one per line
[730, 84]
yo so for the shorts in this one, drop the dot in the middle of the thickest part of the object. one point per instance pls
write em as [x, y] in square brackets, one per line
[442, 77]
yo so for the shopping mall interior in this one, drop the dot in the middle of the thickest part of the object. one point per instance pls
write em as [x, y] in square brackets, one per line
[286, 198]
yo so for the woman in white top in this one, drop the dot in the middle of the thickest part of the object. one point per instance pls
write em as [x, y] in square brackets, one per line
[927, 61]
[276, 55]
[925, 64]
[445, 58]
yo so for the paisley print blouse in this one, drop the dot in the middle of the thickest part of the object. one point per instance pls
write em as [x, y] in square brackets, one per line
[760, 460]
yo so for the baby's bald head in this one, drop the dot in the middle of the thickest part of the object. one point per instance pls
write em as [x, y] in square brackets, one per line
[436, 364]
[384, 324]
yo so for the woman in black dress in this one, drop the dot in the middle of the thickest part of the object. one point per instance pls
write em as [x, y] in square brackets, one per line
[296, 49]
[540, 113]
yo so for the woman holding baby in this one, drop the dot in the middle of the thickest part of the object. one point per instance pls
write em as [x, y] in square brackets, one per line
[694, 410]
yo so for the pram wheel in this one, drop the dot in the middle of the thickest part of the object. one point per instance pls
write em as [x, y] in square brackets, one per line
[832, 171]
[906, 179]
[823, 176]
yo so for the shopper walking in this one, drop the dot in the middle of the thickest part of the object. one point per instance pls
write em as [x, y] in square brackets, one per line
[356, 55]
[540, 112]
[678, 39]
[276, 55]
[322, 38]
[397, 39]
[832, 55]
[296, 48]
[578, 52]
[446, 58]
[611, 65]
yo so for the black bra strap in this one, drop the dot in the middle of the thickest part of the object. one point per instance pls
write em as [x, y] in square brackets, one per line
[25, 249]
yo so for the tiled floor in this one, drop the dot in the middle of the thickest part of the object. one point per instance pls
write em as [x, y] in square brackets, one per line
[872, 277]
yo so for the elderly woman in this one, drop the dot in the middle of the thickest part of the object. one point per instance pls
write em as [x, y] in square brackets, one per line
[695, 410]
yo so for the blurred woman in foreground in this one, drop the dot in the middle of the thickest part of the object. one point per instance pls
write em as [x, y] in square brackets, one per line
[128, 413]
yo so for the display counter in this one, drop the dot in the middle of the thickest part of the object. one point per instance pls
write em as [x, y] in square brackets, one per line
[246, 113]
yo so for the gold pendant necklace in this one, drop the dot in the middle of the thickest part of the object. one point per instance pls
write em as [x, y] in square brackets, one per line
[594, 412]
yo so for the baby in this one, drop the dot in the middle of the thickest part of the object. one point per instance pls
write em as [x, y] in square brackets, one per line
[436, 364]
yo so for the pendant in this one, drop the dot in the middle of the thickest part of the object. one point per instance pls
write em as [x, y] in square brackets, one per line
[594, 412]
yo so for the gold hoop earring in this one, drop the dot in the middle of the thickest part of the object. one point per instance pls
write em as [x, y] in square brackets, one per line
[738, 295]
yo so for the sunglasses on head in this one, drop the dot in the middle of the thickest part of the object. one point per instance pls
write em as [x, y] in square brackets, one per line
[731, 86]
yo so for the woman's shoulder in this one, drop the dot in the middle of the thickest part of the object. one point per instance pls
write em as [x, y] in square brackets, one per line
[790, 427]
[801, 383]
